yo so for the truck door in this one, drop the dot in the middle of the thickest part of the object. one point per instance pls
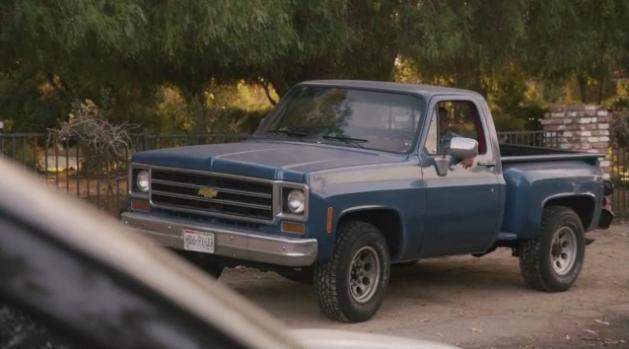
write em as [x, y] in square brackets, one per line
[463, 206]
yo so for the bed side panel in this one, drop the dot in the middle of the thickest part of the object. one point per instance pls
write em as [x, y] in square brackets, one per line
[531, 184]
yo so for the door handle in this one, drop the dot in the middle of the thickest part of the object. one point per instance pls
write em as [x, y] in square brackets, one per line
[487, 163]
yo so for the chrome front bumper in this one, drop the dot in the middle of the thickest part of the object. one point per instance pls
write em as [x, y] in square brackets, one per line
[244, 245]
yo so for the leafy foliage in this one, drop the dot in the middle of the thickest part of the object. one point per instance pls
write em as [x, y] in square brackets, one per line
[464, 43]
[122, 54]
[620, 130]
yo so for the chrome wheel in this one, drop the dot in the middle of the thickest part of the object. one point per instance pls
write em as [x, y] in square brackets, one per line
[563, 250]
[364, 274]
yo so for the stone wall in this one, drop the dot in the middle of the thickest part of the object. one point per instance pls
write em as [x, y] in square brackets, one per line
[582, 128]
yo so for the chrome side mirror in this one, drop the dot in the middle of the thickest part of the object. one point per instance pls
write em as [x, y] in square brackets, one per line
[460, 148]
[463, 148]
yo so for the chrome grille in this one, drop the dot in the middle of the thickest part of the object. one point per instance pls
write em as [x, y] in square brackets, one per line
[239, 197]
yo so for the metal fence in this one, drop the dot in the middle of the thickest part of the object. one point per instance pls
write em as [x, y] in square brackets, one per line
[619, 175]
[531, 138]
[76, 169]
[73, 168]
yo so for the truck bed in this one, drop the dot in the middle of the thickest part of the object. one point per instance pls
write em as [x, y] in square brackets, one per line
[535, 175]
[511, 153]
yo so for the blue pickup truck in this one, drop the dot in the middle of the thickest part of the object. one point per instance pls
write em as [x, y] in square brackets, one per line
[344, 178]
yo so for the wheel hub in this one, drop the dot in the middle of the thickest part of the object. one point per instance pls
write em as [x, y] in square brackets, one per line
[364, 274]
[563, 250]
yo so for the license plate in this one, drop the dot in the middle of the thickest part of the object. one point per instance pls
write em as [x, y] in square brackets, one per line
[199, 241]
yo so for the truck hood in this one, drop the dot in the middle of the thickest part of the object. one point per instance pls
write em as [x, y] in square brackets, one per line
[265, 159]
[338, 339]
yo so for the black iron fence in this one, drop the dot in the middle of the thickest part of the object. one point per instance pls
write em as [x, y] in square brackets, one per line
[102, 179]
[146, 141]
[619, 175]
[531, 138]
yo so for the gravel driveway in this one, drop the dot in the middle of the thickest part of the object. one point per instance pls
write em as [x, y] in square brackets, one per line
[477, 302]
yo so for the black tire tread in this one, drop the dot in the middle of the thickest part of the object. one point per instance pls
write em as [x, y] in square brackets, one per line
[325, 277]
[530, 250]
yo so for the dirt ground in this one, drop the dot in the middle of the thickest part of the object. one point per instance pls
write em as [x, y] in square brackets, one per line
[477, 302]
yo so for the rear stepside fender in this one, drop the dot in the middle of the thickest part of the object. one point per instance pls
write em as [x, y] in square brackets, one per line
[531, 187]
[583, 204]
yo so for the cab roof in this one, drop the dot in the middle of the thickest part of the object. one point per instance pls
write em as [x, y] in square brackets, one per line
[424, 90]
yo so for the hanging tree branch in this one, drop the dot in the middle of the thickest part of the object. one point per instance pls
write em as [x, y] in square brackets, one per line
[266, 86]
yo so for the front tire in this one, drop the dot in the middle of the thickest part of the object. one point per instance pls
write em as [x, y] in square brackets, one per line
[552, 261]
[351, 285]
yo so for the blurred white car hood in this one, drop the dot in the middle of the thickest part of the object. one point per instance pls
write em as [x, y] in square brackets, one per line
[336, 339]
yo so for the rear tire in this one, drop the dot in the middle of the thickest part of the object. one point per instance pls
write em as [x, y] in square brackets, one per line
[351, 285]
[552, 261]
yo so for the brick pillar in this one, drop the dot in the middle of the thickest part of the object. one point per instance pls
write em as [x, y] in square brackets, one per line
[583, 128]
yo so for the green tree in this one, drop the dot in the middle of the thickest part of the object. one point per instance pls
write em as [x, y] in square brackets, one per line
[123, 53]
[465, 44]
[584, 39]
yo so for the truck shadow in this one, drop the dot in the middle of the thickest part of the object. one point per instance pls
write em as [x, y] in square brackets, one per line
[435, 283]
[458, 271]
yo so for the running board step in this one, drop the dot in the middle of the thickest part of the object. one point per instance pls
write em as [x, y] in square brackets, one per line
[507, 237]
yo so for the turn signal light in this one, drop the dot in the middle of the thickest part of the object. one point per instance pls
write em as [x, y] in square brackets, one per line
[140, 205]
[292, 227]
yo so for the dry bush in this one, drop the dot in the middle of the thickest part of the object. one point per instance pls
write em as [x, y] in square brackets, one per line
[102, 149]
[88, 127]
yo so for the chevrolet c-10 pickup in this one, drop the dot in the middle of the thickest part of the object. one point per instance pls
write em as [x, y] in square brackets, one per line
[342, 179]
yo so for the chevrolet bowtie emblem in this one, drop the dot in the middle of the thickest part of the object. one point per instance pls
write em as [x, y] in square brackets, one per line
[208, 192]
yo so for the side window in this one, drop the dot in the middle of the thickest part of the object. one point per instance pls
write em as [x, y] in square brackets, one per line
[456, 119]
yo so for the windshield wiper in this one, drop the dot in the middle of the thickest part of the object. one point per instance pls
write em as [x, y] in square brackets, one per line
[288, 132]
[348, 140]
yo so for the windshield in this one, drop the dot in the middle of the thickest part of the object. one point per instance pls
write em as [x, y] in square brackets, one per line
[358, 118]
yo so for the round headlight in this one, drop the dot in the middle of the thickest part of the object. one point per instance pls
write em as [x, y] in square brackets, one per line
[142, 181]
[296, 201]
